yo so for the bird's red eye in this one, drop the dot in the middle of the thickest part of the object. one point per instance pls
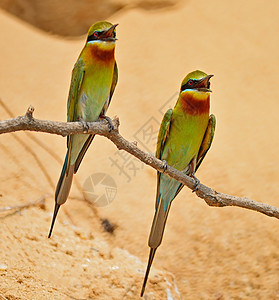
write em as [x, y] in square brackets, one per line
[95, 34]
[190, 82]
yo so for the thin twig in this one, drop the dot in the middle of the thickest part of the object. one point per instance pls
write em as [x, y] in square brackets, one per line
[19, 207]
[211, 197]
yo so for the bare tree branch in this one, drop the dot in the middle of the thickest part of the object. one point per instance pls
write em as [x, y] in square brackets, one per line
[28, 148]
[211, 197]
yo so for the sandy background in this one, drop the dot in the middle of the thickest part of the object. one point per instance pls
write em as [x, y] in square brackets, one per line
[207, 253]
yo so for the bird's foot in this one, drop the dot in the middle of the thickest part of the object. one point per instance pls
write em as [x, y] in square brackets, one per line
[85, 125]
[197, 183]
[165, 165]
[110, 125]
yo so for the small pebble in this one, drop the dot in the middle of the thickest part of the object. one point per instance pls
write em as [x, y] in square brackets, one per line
[108, 226]
[69, 252]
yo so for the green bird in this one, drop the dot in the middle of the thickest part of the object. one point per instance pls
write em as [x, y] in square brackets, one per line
[185, 136]
[94, 78]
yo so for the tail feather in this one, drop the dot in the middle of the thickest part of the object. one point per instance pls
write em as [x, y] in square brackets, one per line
[150, 260]
[64, 183]
[62, 189]
[56, 208]
[156, 235]
[83, 151]
[158, 225]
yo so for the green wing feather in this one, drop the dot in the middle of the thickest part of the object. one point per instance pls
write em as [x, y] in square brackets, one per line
[163, 133]
[114, 81]
[90, 138]
[207, 140]
[162, 137]
[76, 83]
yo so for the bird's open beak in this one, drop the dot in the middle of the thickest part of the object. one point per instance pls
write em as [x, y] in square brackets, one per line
[204, 84]
[109, 35]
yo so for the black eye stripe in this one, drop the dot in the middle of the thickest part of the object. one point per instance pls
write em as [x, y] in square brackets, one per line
[92, 37]
[194, 85]
[187, 85]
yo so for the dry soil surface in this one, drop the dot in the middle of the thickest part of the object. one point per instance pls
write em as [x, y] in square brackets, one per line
[207, 253]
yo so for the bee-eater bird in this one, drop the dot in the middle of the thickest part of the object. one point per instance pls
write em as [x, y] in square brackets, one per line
[185, 136]
[94, 78]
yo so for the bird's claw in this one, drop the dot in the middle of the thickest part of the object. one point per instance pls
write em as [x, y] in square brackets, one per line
[85, 125]
[110, 125]
[165, 166]
[197, 183]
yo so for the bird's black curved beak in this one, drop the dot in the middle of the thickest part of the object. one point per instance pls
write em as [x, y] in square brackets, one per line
[109, 34]
[204, 84]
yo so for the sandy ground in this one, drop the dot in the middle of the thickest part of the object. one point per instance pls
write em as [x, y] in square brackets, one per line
[210, 253]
